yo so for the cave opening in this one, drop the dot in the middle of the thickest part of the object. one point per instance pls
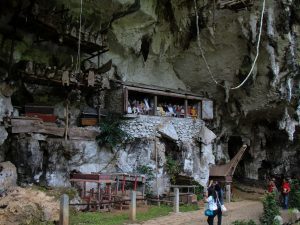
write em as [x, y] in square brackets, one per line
[145, 46]
[234, 145]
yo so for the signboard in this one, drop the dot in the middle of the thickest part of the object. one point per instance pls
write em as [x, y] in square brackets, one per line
[207, 109]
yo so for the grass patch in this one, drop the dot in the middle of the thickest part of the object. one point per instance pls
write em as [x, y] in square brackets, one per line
[188, 208]
[121, 217]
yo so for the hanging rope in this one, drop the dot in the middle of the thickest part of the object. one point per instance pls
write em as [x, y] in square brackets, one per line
[79, 41]
[257, 49]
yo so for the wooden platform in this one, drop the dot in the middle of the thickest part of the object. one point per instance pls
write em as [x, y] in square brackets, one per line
[36, 125]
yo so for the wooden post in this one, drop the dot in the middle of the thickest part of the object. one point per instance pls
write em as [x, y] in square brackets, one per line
[185, 108]
[64, 210]
[176, 200]
[125, 100]
[123, 183]
[135, 183]
[155, 105]
[67, 120]
[156, 170]
[199, 110]
[132, 215]
[228, 192]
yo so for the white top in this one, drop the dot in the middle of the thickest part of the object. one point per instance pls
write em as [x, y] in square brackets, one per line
[212, 205]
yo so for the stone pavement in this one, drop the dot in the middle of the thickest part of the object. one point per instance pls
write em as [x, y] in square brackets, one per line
[243, 210]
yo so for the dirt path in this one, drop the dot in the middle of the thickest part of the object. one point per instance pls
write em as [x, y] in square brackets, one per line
[242, 210]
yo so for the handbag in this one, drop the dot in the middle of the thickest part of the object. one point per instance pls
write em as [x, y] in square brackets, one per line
[223, 208]
[208, 212]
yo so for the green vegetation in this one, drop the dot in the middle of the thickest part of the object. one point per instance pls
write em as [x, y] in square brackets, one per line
[173, 169]
[118, 218]
[243, 222]
[295, 194]
[111, 132]
[271, 210]
[149, 173]
[198, 190]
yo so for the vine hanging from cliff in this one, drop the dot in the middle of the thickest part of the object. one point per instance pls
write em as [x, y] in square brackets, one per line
[204, 58]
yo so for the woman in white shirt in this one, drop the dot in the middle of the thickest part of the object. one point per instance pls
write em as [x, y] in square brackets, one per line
[212, 204]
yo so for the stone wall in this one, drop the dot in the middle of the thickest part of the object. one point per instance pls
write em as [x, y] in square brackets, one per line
[149, 127]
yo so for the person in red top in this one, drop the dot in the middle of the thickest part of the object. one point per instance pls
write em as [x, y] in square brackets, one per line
[272, 186]
[286, 188]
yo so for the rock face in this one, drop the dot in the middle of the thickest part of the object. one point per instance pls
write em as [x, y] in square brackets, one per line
[155, 43]
[48, 160]
[8, 176]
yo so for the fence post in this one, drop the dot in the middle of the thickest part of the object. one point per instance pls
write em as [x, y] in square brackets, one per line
[176, 200]
[64, 210]
[228, 193]
[132, 215]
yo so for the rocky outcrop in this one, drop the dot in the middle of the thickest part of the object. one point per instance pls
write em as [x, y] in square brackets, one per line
[8, 176]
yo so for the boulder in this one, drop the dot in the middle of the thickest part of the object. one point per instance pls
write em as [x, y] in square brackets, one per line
[8, 176]
[295, 215]
[278, 219]
[168, 131]
[206, 136]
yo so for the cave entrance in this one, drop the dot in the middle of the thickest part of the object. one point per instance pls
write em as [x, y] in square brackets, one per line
[173, 160]
[234, 145]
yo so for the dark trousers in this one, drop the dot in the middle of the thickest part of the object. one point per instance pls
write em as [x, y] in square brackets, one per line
[285, 201]
[210, 219]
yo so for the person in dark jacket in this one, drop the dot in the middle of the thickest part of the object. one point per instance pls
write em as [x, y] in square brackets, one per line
[220, 202]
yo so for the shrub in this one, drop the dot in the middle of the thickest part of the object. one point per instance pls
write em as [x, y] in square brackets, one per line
[243, 222]
[149, 173]
[198, 190]
[111, 132]
[271, 210]
[295, 194]
[173, 169]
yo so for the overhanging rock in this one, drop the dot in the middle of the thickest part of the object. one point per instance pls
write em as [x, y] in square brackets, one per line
[206, 136]
[168, 130]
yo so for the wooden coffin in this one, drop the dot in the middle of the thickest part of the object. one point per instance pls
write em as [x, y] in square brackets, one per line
[29, 108]
[89, 121]
[45, 117]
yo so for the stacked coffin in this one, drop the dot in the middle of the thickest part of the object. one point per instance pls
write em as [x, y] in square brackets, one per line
[46, 113]
[89, 117]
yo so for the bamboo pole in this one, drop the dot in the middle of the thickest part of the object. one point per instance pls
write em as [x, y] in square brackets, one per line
[67, 120]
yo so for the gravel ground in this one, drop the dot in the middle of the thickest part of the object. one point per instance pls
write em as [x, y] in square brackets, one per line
[242, 210]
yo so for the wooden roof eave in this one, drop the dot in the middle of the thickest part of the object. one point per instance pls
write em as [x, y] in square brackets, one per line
[227, 169]
[156, 90]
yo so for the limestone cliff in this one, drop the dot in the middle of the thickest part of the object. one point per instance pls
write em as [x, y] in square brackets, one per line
[154, 42]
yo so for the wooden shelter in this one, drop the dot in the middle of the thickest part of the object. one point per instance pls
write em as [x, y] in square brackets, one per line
[125, 96]
[224, 173]
[104, 191]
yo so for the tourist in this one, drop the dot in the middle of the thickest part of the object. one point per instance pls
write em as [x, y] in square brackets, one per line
[286, 188]
[212, 204]
[220, 202]
[271, 186]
